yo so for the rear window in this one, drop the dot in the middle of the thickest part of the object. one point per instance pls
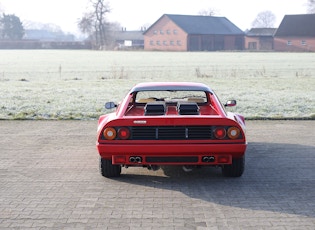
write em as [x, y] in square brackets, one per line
[171, 96]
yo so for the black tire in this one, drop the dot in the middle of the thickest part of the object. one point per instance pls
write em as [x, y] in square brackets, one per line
[236, 169]
[108, 170]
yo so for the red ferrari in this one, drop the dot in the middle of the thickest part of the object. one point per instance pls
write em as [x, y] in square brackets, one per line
[171, 123]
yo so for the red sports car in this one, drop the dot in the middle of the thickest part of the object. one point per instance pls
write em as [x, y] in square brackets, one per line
[171, 123]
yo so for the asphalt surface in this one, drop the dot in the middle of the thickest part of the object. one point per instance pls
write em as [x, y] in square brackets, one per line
[49, 179]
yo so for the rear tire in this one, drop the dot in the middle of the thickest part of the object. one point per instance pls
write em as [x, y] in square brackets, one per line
[236, 169]
[108, 170]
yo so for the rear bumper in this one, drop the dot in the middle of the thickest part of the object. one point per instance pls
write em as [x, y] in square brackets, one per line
[172, 154]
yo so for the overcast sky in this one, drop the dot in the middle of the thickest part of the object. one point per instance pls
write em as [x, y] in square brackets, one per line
[133, 14]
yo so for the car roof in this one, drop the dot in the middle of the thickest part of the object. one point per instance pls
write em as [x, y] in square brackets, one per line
[171, 86]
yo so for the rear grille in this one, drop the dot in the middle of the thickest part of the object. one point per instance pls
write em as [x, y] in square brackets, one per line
[171, 132]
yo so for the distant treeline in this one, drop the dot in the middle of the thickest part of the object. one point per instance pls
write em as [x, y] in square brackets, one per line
[36, 44]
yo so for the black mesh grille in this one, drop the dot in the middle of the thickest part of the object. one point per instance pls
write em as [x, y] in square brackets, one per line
[143, 133]
[200, 132]
[171, 132]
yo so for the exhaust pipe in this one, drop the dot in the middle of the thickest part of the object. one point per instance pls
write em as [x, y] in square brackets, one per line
[208, 159]
[138, 159]
[135, 159]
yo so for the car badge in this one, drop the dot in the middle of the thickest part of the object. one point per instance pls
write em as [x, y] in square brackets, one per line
[140, 122]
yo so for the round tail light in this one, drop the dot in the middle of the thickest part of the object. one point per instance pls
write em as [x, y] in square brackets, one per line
[220, 132]
[123, 133]
[110, 133]
[233, 132]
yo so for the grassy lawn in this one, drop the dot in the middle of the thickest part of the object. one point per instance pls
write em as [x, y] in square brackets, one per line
[68, 84]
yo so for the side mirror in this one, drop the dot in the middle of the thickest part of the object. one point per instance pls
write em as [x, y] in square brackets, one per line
[230, 103]
[110, 105]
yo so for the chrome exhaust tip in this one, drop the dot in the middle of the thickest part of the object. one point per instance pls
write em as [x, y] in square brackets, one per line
[138, 159]
[135, 159]
[208, 159]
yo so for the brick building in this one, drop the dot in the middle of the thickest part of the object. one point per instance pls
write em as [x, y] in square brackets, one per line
[259, 39]
[193, 33]
[296, 33]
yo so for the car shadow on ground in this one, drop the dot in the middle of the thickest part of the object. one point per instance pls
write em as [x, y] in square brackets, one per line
[278, 178]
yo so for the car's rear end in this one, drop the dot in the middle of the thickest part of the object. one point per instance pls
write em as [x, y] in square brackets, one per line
[152, 141]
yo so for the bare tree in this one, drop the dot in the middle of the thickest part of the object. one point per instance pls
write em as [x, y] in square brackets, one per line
[265, 19]
[101, 9]
[85, 24]
[208, 12]
[311, 6]
[94, 23]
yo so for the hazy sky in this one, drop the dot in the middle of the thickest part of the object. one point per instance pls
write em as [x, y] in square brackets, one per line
[133, 14]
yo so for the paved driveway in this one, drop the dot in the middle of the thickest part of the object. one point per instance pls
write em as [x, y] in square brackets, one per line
[49, 179]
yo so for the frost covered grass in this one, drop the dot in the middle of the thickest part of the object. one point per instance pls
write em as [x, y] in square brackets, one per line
[64, 84]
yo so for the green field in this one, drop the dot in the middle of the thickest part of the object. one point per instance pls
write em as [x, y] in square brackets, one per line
[67, 84]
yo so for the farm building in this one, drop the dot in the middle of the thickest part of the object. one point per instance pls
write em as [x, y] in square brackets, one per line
[259, 39]
[296, 33]
[129, 39]
[193, 33]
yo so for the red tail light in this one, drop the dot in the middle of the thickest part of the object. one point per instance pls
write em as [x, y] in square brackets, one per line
[123, 133]
[220, 132]
[224, 160]
[119, 159]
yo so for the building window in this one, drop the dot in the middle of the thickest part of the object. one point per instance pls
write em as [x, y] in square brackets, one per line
[158, 43]
[289, 43]
[168, 31]
[175, 31]
[303, 43]
[161, 32]
[151, 43]
[171, 43]
[179, 43]
[164, 43]
[155, 32]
